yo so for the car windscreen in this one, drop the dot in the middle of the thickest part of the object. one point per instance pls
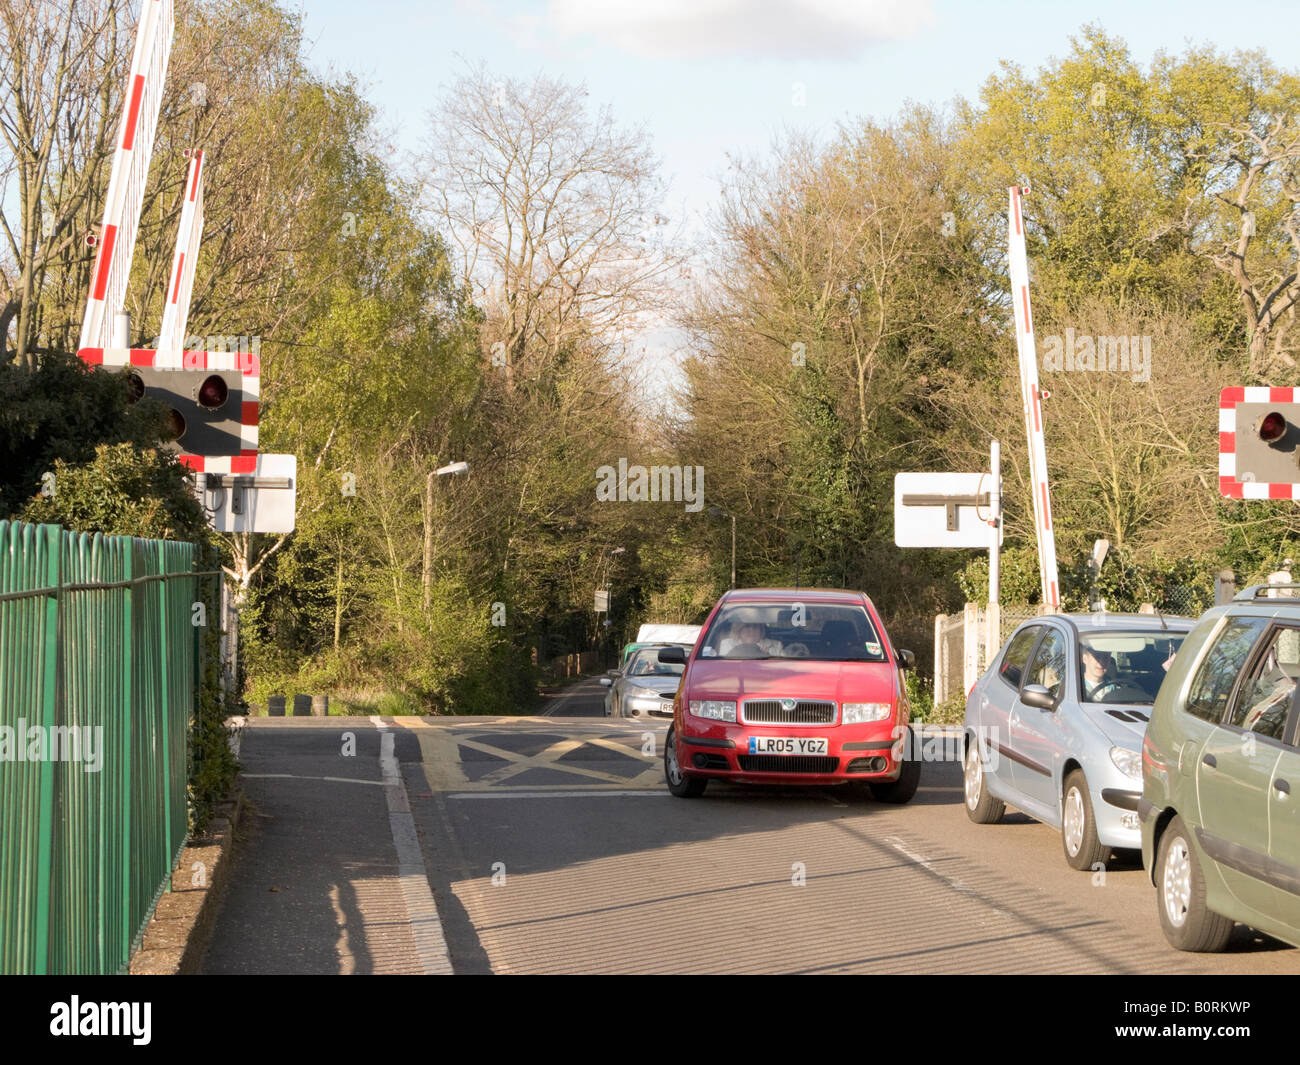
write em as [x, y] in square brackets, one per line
[1125, 667]
[645, 663]
[824, 632]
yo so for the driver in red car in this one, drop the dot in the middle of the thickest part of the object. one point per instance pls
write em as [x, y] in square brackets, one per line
[751, 632]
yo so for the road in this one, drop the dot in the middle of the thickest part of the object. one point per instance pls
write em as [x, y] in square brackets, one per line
[551, 846]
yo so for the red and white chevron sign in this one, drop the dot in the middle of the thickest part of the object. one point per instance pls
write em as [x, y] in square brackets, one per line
[245, 363]
[153, 45]
[176, 309]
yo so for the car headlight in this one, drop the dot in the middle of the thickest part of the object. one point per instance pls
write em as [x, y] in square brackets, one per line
[642, 696]
[714, 709]
[857, 713]
[1127, 762]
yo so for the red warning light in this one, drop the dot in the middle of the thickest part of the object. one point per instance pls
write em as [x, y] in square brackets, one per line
[1272, 427]
[213, 393]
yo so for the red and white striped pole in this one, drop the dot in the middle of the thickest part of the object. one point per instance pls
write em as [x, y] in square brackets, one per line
[1032, 400]
[126, 183]
[176, 307]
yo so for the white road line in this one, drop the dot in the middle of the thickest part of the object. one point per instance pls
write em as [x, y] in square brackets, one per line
[565, 698]
[952, 881]
[520, 793]
[421, 910]
[296, 776]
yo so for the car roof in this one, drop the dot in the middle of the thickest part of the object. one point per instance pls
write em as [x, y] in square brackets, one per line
[823, 595]
[1127, 622]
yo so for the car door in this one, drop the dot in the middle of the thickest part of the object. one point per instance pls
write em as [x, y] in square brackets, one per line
[998, 695]
[1235, 767]
[1284, 825]
[1035, 735]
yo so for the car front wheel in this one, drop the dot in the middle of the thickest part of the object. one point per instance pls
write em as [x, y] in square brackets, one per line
[981, 807]
[1187, 922]
[1078, 826]
[901, 790]
[679, 784]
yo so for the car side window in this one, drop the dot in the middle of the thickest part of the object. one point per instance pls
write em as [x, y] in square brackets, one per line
[1210, 690]
[1265, 697]
[1048, 665]
[1017, 654]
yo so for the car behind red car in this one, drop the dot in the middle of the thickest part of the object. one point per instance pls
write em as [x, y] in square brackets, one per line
[792, 687]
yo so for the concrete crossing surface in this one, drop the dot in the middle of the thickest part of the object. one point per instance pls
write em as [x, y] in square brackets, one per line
[550, 845]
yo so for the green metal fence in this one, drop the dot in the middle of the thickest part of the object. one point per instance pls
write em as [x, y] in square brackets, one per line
[96, 636]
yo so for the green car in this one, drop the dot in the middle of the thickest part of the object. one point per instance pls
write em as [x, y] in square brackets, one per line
[1220, 805]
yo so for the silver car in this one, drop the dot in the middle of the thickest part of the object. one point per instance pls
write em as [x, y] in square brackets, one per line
[1055, 726]
[644, 687]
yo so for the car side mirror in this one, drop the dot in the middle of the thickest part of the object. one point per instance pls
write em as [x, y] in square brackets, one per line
[606, 682]
[1039, 696]
[672, 655]
[906, 660]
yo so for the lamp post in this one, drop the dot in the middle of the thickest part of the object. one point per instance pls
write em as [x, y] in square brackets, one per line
[609, 553]
[453, 468]
[727, 514]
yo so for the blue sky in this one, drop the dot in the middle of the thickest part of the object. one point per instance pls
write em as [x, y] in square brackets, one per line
[710, 76]
[707, 77]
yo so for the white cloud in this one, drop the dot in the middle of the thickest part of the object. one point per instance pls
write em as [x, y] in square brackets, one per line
[770, 29]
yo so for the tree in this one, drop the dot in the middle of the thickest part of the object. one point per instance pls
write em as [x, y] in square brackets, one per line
[64, 65]
[554, 214]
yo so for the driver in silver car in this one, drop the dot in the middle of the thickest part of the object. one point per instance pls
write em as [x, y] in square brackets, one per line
[1096, 667]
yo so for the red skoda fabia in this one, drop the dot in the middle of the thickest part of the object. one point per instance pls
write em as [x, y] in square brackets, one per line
[791, 687]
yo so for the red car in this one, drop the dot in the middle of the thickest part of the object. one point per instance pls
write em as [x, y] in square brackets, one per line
[791, 687]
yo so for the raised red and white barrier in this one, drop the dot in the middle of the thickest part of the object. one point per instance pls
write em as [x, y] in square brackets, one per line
[153, 44]
[1032, 400]
[176, 308]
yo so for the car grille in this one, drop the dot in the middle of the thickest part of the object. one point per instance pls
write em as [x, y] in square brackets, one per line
[769, 712]
[779, 763]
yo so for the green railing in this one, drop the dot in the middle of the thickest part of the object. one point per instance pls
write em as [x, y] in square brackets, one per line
[97, 635]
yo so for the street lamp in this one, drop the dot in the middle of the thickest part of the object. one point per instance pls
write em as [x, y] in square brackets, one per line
[453, 468]
[719, 512]
[607, 554]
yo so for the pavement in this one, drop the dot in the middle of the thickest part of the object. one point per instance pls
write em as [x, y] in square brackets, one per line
[550, 845]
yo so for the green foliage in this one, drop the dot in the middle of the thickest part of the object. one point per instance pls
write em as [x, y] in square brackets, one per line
[60, 413]
[123, 490]
[1018, 576]
[1127, 580]
[212, 762]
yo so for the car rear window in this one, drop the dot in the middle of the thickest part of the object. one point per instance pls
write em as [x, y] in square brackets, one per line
[1209, 693]
[1017, 654]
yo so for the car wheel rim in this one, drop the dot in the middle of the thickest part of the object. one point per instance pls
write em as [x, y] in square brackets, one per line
[674, 770]
[1177, 882]
[1073, 819]
[974, 778]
